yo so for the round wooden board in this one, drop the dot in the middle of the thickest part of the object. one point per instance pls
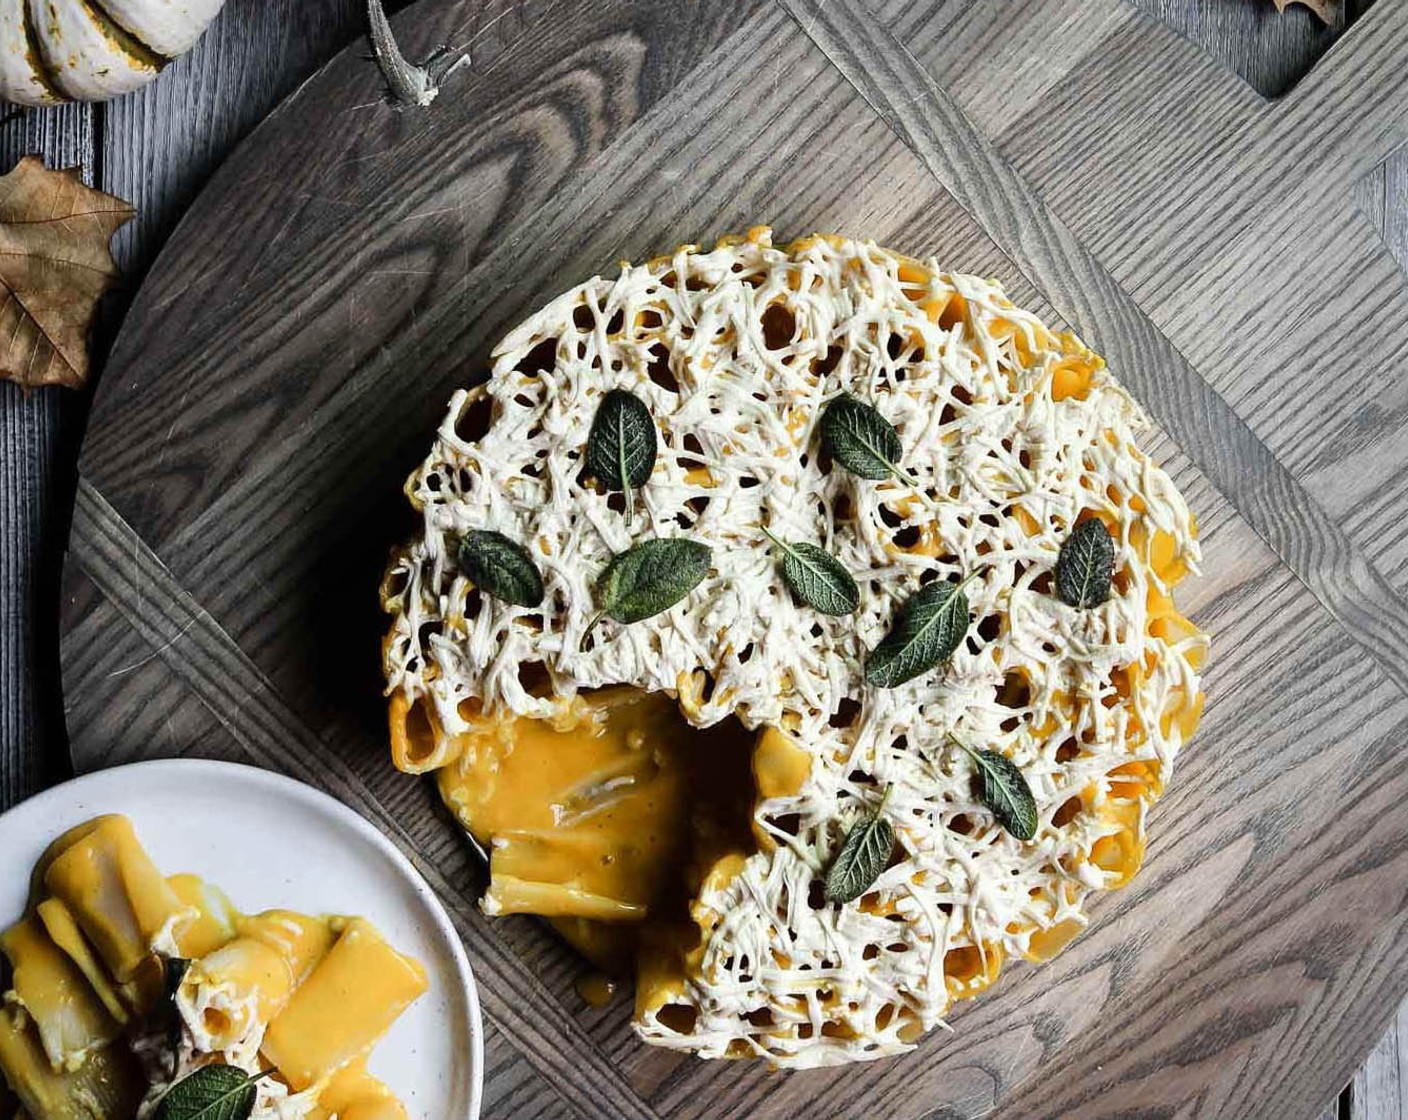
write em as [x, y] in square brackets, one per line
[293, 348]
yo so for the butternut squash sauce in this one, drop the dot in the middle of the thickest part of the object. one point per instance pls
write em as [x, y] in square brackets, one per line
[608, 818]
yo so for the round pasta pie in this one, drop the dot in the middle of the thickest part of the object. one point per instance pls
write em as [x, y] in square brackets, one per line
[809, 815]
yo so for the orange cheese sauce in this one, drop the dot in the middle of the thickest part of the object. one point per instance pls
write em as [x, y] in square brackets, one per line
[347, 1002]
[594, 816]
[596, 989]
[608, 820]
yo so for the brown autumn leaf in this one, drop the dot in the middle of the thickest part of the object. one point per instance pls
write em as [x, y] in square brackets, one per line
[55, 264]
[1327, 10]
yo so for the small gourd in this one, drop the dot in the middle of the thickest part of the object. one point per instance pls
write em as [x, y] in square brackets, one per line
[91, 50]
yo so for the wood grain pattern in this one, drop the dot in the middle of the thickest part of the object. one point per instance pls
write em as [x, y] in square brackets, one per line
[31, 539]
[160, 145]
[154, 148]
[1383, 196]
[1270, 50]
[212, 576]
[1380, 1088]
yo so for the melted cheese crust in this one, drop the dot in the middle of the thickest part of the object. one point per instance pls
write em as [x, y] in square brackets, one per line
[1014, 433]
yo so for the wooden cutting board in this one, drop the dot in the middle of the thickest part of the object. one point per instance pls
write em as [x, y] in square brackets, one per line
[293, 348]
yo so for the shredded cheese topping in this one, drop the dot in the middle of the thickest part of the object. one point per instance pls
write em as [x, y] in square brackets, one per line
[1013, 433]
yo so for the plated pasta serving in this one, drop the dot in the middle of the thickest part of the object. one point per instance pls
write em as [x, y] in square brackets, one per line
[794, 628]
[138, 994]
[131, 993]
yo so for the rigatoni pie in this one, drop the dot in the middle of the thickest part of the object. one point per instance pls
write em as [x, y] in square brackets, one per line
[673, 791]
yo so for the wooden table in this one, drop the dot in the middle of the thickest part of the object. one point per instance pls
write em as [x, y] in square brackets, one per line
[156, 148]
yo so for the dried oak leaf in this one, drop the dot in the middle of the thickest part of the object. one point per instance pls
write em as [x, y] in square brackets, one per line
[55, 264]
[1327, 10]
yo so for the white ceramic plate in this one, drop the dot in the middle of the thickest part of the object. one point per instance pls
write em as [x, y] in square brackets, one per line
[269, 842]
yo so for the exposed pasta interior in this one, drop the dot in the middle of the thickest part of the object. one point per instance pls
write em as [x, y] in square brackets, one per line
[1014, 434]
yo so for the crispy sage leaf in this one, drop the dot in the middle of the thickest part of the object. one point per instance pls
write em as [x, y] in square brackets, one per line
[648, 578]
[622, 444]
[926, 631]
[863, 855]
[500, 567]
[211, 1093]
[816, 577]
[174, 970]
[1085, 565]
[861, 440]
[1003, 790]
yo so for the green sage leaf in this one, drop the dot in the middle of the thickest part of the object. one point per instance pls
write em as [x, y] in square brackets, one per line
[650, 577]
[855, 435]
[1004, 792]
[926, 631]
[1086, 565]
[501, 567]
[622, 444]
[211, 1093]
[863, 855]
[816, 577]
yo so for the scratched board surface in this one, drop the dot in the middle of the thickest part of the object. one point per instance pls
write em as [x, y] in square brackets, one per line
[293, 348]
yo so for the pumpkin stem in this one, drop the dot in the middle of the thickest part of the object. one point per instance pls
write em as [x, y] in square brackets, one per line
[407, 84]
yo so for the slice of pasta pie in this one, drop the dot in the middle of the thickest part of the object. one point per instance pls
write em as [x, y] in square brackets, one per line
[672, 779]
[125, 982]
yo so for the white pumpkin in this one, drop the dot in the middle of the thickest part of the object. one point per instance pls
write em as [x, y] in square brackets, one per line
[91, 50]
